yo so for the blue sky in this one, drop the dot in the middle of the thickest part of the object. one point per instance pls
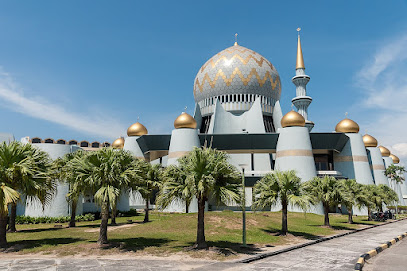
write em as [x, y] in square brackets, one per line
[88, 69]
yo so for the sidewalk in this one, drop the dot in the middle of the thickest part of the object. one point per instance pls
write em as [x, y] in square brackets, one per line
[392, 259]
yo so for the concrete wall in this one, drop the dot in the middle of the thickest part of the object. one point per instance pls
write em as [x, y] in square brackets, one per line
[59, 205]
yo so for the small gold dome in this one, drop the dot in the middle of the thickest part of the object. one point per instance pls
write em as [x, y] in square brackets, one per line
[185, 121]
[369, 141]
[118, 143]
[396, 160]
[137, 129]
[292, 118]
[347, 126]
[385, 151]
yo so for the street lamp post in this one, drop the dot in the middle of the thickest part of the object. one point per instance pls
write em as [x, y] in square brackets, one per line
[243, 207]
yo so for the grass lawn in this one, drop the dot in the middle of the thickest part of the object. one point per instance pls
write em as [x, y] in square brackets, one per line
[171, 233]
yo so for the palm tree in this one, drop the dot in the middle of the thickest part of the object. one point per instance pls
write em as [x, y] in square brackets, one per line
[26, 169]
[107, 172]
[176, 185]
[353, 194]
[326, 190]
[23, 170]
[65, 171]
[387, 195]
[209, 175]
[150, 183]
[282, 187]
[370, 192]
[7, 196]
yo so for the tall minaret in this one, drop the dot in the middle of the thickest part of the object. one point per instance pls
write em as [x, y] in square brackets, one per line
[300, 80]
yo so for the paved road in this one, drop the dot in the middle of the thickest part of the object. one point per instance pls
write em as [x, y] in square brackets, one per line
[392, 259]
[337, 254]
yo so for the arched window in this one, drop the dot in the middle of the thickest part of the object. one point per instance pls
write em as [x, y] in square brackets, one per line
[49, 140]
[84, 144]
[95, 144]
[73, 142]
[36, 140]
[61, 141]
[106, 144]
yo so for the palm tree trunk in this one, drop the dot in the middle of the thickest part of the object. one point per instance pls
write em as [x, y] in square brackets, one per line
[326, 213]
[3, 231]
[284, 226]
[146, 218]
[350, 213]
[369, 214]
[186, 207]
[13, 214]
[113, 218]
[200, 235]
[72, 222]
[103, 224]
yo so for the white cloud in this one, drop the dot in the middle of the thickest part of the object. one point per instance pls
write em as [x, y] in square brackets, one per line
[93, 124]
[384, 82]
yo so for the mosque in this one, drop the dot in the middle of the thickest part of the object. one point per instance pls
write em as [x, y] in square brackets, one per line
[237, 110]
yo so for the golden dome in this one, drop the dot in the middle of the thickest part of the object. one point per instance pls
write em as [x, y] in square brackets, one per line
[137, 129]
[292, 118]
[396, 160]
[347, 126]
[185, 121]
[118, 143]
[385, 151]
[369, 141]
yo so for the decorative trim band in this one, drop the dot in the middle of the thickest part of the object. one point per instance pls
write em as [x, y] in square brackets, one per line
[294, 153]
[378, 167]
[354, 158]
[177, 154]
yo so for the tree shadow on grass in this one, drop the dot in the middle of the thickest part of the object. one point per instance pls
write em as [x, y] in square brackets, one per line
[305, 235]
[27, 244]
[226, 248]
[109, 225]
[37, 230]
[135, 244]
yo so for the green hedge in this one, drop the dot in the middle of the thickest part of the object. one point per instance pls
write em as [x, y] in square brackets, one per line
[46, 219]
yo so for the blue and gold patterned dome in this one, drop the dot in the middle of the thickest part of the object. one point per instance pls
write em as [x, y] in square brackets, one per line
[237, 74]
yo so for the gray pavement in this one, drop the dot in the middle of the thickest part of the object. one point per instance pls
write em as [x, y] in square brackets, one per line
[391, 259]
[336, 254]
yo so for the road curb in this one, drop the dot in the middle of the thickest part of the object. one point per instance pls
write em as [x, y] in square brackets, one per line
[371, 253]
[323, 239]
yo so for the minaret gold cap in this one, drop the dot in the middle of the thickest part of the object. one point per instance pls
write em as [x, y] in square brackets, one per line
[137, 129]
[300, 58]
[396, 160]
[118, 143]
[292, 118]
[369, 141]
[347, 126]
[385, 151]
[185, 121]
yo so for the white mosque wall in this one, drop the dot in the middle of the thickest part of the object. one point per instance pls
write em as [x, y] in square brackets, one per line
[59, 206]
[353, 162]
[183, 140]
[377, 166]
[131, 144]
[277, 116]
[294, 152]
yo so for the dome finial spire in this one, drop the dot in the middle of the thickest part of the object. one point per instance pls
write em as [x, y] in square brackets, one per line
[236, 39]
[300, 58]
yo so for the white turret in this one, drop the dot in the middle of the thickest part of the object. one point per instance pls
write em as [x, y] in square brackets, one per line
[294, 150]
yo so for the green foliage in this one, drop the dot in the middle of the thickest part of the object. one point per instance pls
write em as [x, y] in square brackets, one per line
[327, 190]
[203, 173]
[24, 168]
[283, 187]
[395, 173]
[46, 219]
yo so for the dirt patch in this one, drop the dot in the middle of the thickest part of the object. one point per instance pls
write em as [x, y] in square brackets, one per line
[113, 228]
